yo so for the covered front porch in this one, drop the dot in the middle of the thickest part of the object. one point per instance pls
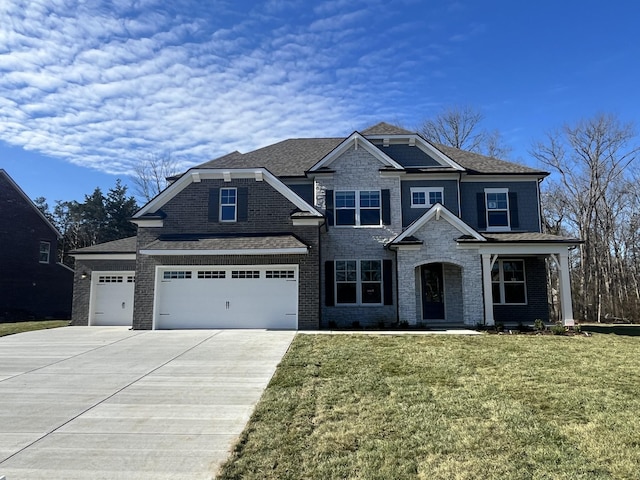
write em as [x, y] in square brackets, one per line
[514, 275]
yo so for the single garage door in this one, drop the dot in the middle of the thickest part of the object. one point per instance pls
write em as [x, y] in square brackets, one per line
[111, 298]
[264, 296]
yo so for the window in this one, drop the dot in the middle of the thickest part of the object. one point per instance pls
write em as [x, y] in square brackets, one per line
[358, 207]
[280, 274]
[45, 249]
[507, 282]
[110, 279]
[497, 201]
[228, 204]
[425, 197]
[176, 275]
[245, 274]
[358, 282]
[202, 274]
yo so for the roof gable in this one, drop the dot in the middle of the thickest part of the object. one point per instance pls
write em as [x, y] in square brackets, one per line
[27, 200]
[357, 141]
[384, 128]
[195, 175]
[437, 212]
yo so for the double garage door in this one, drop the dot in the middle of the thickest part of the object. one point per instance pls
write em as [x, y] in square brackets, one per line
[263, 296]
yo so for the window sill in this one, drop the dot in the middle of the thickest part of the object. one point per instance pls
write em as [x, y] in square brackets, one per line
[498, 229]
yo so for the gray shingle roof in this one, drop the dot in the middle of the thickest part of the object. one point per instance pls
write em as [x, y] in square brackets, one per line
[228, 243]
[124, 245]
[294, 157]
[289, 158]
[476, 163]
[383, 128]
[527, 237]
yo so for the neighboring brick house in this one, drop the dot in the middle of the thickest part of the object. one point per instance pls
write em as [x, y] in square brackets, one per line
[377, 228]
[32, 283]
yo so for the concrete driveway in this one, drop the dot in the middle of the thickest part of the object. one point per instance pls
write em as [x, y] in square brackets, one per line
[109, 403]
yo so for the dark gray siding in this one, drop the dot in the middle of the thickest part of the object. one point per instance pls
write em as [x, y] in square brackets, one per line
[268, 212]
[409, 157]
[537, 299]
[527, 194]
[304, 190]
[450, 197]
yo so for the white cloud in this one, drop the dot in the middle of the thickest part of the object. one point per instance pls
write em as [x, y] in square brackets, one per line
[105, 85]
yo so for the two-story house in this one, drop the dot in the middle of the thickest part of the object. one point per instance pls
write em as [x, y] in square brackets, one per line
[32, 282]
[377, 228]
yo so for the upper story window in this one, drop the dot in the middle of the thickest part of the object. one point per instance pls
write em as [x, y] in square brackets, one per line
[353, 207]
[45, 251]
[425, 197]
[508, 282]
[497, 208]
[228, 204]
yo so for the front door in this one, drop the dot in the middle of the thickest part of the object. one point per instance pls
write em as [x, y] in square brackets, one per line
[432, 292]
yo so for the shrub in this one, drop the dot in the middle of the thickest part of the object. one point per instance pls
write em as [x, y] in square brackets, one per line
[558, 329]
[538, 325]
[499, 327]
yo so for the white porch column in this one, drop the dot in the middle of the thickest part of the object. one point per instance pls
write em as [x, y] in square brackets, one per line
[566, 305]
[488, 293]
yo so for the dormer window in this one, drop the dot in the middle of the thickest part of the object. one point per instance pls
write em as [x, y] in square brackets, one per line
[228, 204]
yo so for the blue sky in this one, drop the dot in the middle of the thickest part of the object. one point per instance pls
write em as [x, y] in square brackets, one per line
[89, 88]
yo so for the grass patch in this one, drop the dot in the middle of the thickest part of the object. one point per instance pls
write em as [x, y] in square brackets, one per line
[613, 328]
[19, 327]
[447, 407]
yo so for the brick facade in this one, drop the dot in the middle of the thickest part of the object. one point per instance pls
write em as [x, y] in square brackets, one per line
[268, 213]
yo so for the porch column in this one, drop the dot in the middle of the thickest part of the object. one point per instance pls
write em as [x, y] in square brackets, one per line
[488, 293]
[566, 305]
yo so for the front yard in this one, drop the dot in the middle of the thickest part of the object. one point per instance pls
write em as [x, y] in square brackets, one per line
[447, 407]
[19, 327]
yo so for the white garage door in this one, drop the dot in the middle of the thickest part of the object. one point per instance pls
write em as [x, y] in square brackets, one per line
[264, 296]
[111, 298]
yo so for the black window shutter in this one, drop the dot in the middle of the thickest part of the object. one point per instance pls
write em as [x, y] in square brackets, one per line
[329, 276]
[387, 281]
[214, 204]
[243, 208]
[482, 210]
[386, 207]
[329, 204]
[513, 210]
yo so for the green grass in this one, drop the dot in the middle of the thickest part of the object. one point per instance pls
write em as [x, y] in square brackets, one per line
[19, 327]
[447, 407]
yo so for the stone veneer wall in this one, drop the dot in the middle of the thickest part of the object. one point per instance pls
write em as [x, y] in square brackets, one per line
[358, 170]
[463, 303]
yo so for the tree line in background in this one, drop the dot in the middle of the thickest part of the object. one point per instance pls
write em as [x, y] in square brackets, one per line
[592, 194]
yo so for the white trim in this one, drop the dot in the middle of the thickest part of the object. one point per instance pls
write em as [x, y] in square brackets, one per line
[305, 221]
[234, 204]
[426, 191]
[104, 256]
[218, 174]
[514, 177]
[252, 251]
[441, 212]
[516, 249]
[425, 175]
[148, 223]
[358, 141]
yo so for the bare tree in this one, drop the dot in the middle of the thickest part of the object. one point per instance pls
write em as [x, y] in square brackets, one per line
[592, 195]
[150, 175]
[461, 127]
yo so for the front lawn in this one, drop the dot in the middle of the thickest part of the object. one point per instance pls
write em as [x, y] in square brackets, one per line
[447, 407]
[19, 327]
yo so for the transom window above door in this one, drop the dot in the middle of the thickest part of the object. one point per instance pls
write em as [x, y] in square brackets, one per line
[425, 197]
[353, 207]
